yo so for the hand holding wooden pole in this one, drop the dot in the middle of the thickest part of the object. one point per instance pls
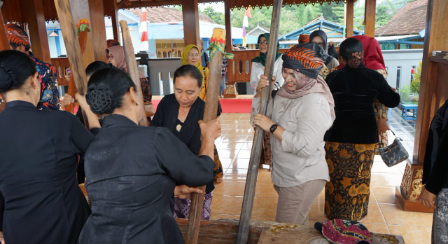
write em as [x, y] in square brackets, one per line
[132, 67]
[252, 173]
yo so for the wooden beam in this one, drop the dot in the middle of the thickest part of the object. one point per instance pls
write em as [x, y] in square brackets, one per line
[349, 18]
[115, 25]
[228, 26]
[35, 17]
[252, 172]
[370, 18]
[4, 43]
[190, 15]
[96, 10]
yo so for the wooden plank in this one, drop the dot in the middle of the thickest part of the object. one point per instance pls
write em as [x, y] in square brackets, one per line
[132, 68]
[252, 172]
[34, 12]
[370, 18]
[71, 44]
[111, 10]
[210, 113]
[191, 22]
[98, 33]
[350, 16]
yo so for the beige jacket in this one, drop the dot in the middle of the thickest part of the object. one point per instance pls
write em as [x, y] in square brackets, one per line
[300, 157]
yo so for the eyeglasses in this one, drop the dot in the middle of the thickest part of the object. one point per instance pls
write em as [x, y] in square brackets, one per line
[193, 55]
[263, 43]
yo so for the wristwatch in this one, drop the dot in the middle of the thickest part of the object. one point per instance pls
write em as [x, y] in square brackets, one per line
[273, 128]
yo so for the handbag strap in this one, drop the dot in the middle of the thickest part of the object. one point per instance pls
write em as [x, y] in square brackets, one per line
[399, 138]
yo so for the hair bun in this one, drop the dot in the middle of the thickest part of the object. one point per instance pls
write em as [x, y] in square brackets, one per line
[100, 100]
[7, 78]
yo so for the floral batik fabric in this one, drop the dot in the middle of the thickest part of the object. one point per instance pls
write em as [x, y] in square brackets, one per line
[49, 86]
[440, 218]
[381, 113]
[348, 191]
[182, 207]
[217, 171]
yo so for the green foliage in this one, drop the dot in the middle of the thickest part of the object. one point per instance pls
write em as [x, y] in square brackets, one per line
[405, 94]
[218, 17]
[415, 84]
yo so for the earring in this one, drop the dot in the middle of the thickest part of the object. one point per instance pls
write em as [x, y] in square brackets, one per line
[136, 104]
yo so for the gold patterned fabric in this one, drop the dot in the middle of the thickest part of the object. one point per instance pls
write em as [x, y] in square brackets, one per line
[266, 156]
[348, 191]
[381, 113]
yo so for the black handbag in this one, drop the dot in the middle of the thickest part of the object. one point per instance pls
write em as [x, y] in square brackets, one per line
[394, 154]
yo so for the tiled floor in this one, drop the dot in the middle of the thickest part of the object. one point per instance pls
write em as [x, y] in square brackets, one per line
[385, 215]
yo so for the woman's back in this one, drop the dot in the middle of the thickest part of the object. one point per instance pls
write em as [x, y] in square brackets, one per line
[131, 174]
[38, 167]
[354, 91]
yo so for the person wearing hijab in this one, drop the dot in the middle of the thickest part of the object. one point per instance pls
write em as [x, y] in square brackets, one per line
[115, 55]
[191, 56]
[258, 67]
[320, 37]
[298, 117]
[351, 141]
[373, 59]
[18, 40]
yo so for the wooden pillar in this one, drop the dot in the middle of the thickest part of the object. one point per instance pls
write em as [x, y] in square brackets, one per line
[34, 12]
[350, 15]
[433, 93]
[4, 43]
[98, 29]
[191, 22]
[230, 91]
[370, 18]
[115, 20]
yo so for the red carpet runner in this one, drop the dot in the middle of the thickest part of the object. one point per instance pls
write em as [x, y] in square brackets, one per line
[228, 105]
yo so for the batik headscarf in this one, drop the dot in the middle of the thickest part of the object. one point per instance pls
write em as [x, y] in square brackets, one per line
[304, 38]
[17, 36]
[305, 62]
[262, 57]
[112, 42]
[373, 57]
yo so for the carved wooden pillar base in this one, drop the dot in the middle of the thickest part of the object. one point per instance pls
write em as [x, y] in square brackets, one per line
[230, 91]
[411, 187]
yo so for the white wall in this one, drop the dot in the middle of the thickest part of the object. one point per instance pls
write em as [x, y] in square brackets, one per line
[406, 59]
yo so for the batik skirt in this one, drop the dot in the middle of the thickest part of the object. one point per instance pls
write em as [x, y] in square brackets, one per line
[348, 191]
[182, 207]
[440, 218]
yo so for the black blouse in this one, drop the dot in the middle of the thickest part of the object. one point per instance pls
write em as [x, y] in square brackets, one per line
[131, 174]
[167, 116]
[354, 92]
[42, 200]
[435, 167]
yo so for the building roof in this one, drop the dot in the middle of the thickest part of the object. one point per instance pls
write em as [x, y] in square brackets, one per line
[166, 15]
[261, 28]
[332, 29]
[411, 19]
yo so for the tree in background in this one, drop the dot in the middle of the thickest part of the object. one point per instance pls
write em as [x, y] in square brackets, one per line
[415, 84]
[218, 17]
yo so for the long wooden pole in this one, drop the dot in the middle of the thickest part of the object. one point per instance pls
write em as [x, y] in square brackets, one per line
[132, 67]
[210, 113]
[71, 44]
[252, 173]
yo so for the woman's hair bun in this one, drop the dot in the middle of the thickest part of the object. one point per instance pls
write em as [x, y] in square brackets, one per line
[100, 100]
[7, 78]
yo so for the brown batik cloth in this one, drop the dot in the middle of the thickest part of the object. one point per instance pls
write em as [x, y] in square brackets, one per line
[217, 171]
[348, 191]
[266, 156]
[381, 113]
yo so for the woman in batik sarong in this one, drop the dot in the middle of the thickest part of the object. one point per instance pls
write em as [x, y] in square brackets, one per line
[180, 113]
[350, 143]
